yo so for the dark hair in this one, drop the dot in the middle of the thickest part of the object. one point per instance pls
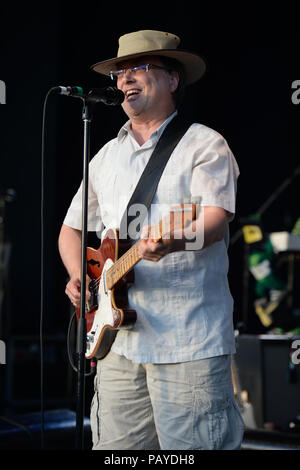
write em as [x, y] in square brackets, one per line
[174, 66]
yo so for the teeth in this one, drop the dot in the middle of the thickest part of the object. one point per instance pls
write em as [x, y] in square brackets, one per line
[131, 92]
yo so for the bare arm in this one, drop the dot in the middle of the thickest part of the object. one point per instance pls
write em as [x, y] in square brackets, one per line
[215, 222]
[69, 244]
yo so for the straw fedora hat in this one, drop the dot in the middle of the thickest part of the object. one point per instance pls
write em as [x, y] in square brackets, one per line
[149, 43]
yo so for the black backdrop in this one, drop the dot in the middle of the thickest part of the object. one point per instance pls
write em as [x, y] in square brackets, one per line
[252, 61]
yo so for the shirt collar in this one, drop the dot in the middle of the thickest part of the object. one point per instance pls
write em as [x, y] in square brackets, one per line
[125, 129]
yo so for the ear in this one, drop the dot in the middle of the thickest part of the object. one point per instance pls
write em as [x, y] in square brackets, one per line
[173, 81]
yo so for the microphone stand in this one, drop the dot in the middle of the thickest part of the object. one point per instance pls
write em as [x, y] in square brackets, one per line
[109, 96]
[81, 327]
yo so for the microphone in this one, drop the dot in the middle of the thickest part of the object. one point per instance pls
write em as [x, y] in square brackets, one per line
[75, 91]
[110, 95]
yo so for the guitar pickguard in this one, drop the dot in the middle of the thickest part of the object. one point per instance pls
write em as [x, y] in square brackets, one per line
[106, 316]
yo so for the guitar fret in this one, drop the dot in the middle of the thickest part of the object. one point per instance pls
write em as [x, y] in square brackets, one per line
[122, 266]
[131, 257]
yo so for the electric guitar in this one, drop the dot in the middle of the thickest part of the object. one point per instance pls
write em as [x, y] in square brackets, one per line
[110, 269]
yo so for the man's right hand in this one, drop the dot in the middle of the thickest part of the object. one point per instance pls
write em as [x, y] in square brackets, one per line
[69, 244]
[73, 290]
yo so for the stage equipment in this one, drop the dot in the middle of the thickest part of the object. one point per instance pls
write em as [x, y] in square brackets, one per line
[253, 234]
[267, 370]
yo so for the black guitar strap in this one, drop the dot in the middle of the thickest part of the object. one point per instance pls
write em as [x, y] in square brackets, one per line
[148, 182]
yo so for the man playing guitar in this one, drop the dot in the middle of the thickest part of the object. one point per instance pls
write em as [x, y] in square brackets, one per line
[166, 382]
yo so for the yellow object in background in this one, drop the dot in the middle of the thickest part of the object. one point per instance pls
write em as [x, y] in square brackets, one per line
[252, 233]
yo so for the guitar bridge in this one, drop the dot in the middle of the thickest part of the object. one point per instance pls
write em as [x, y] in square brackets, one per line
[90, 337]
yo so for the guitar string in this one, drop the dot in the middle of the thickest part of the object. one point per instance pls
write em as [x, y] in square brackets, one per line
[126, 256]
[119, 263]
[130, 253]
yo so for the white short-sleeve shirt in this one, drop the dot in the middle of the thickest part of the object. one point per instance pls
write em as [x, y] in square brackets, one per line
[183, 302]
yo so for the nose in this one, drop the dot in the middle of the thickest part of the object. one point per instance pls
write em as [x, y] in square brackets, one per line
[127, 77]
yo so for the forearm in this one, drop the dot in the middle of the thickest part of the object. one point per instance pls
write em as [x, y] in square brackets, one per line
[69, 244]
[208, 228]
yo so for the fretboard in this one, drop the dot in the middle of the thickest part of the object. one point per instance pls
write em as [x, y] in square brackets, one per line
[185, 213]
[122, 266]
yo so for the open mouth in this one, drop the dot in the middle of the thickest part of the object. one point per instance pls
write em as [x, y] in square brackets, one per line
[131, 93]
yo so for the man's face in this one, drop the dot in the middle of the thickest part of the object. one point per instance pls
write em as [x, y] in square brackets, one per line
[147, 93]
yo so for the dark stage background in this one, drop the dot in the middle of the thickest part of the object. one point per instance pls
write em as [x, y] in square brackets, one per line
[245, 95]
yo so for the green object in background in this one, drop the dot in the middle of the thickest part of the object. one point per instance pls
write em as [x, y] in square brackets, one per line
[296, 228]
[260, 266]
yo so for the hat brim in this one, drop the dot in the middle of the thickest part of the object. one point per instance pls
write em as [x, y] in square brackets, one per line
[194, 65]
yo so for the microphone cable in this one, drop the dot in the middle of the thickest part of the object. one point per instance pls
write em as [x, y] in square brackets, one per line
[42, 254]
[93, 361]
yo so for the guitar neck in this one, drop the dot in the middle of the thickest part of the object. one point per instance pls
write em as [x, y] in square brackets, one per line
[123, 265]
[178, 218]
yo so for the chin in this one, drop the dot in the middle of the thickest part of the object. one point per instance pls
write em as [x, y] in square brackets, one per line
[132, 110]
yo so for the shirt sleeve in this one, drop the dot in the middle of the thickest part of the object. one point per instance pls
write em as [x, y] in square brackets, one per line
[215, 173]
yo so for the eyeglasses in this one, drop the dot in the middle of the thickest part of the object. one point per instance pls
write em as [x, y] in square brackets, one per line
[115, 74]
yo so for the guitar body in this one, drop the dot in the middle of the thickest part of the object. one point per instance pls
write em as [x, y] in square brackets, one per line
[108, 310]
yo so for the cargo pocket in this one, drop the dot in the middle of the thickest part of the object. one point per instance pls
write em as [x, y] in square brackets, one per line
[211, 423]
